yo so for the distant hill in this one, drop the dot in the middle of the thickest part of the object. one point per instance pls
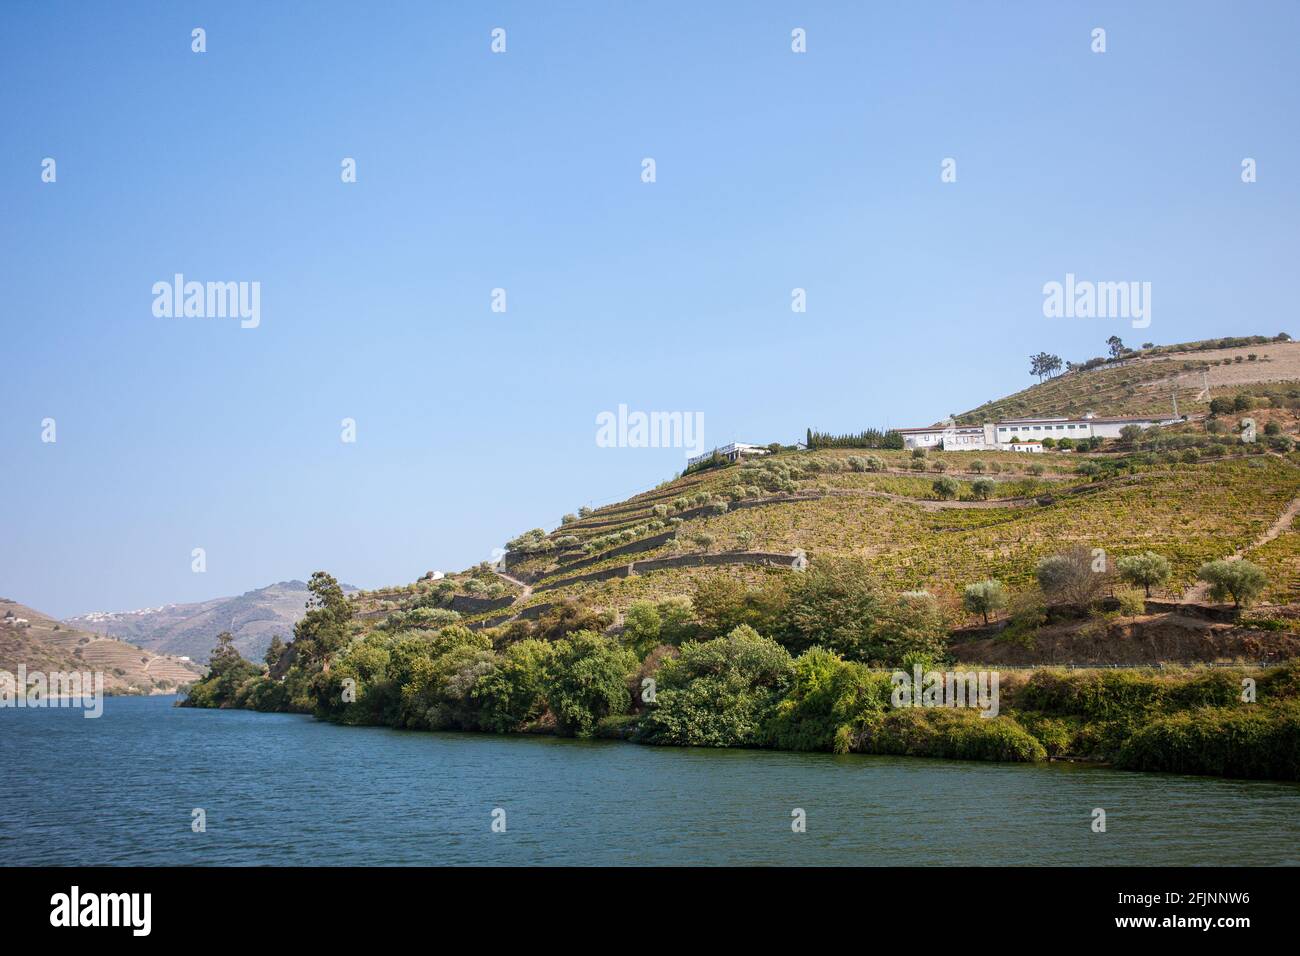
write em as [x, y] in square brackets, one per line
[191, 629]
[44, 644]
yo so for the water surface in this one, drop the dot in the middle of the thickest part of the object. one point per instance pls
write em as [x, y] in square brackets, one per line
[286, 789]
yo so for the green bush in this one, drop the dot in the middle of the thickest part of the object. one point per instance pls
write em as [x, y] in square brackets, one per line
[1255, 742]
[951, 734]
[587, 680]
[718, 693]
[827, 702]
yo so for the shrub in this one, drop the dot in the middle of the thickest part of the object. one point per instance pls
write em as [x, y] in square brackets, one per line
[587, 680]
[1226, 742]
[513, 694]
[836, 606]
[719, 693]
[1131, 602]
[951, 734]
[1073, 577]
[827, 702]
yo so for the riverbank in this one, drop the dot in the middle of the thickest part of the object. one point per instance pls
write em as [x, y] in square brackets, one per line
[1226, 722]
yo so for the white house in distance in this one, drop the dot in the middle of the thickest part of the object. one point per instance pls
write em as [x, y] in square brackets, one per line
[733, 452]
[1018, 434]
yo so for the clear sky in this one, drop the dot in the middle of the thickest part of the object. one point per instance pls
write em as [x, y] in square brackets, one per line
[522, 171]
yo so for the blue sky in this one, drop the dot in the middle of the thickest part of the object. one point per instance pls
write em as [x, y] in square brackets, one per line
[522, 171]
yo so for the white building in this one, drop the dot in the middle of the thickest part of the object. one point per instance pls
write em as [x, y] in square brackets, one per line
[1003, 435]
[732, 452]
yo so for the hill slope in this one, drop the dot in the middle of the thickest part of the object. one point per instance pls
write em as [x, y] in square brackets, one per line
[42, 643]
[1192, 493]
[1146, 383]
[190, 630]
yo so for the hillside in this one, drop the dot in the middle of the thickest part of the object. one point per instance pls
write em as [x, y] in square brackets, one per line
[1145, 383]
[1192, 493]
[190, 630]
[41, 643]
[765, 603]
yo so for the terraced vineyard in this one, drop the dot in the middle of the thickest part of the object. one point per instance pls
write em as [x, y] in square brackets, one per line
[914, 538]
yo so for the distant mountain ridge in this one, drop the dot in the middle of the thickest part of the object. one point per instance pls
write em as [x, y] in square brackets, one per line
[190, 630]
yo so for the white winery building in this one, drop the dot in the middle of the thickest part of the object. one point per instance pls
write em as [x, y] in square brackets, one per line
[1015, 433]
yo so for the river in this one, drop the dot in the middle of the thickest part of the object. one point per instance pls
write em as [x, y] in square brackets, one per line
[285, 789]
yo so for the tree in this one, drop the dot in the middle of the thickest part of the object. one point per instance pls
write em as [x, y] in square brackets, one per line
[587, 680]
[1044, 365]
[1221, 406]
[946, 488]
[1116, 346]
[719, 693]
[224, 656]
[1241, 580]
[1076, 576]
[836, 605]
[1130, 434]
[1146, 570]
[324, 629]
[274, 652]
[982, 489]
[983, 597]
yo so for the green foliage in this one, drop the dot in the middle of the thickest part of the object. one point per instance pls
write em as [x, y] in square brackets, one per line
[1131, 602]
[228, 673]
[835, 605]
[324, 629]
[949, 733]
[587, 680]
[871, 438]
[719, 693]
[1240, 580]
[422, 618]
[1145, 570]
[1228, 742]
[827, 702]
[946, 488]
[984, 597]
[514, 692]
